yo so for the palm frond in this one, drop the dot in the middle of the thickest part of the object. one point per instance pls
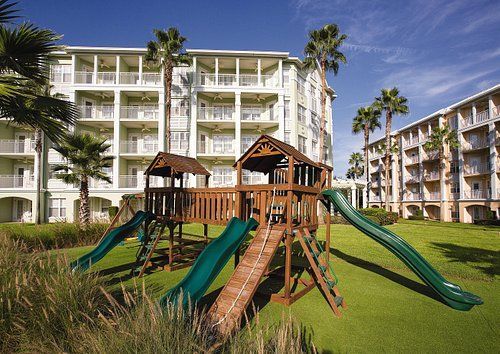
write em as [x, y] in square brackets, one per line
[7, 11]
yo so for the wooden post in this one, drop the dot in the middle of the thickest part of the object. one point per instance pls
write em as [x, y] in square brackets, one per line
[328, 216]
[238, 205]
[288, 237]
[181, 211]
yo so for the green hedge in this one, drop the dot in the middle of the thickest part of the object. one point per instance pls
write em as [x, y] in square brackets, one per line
[380, 216]
[419, 215]
[51, 236]
[487, 222]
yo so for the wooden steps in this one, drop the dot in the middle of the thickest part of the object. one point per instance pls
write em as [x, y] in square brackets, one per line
[229, 307]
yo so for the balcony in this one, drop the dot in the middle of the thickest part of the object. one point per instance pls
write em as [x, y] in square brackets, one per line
[245, 80]
[412, 179]
[430, 155]
[106, 78]
[374, 199]
[140, 113]
[55, 158]
[431, 176]
[140, 147]
[17, 146]
[125, 78]
[412, 160]
[84, 77]
[477, 169]
[481, 117]
[223, 113]
[413, 196]
[17, 181]
[129, 78]
[106, 112]
[151, 79]
[218, 148]
[432, 196]
[411, 142]
[100, 184]
[138, 181]
[257, 114]
[477, 194]
[475, 145]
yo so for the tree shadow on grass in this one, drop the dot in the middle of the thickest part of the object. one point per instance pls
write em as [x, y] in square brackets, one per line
[388, 274]
[489, 260]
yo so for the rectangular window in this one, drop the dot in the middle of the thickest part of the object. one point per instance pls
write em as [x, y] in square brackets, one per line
[223, 144]
[180, 108]
[454, 167]
[301, 114]
[286, 76]
[302, 144]
[247, 141]
[222, 176]
[287, 137]
[57, 208]
[179, 141]
[301, 85]
[60, 73]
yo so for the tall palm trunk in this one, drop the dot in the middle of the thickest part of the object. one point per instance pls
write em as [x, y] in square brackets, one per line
[84, 202]
[367, 170]
[388, 123]
[38, 171]
[169, 68]
[323, 110]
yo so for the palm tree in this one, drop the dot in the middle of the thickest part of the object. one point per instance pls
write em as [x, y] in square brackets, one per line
[323, 50]
[86, 159]
[393, 104]
[366, 121]
[439, 138]
[356, 163]
[167, 52]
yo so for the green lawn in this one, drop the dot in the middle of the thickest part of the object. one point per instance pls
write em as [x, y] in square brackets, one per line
[389, 308]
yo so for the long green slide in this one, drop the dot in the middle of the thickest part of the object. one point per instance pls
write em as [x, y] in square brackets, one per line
[209, 263]
[110, 241]
[451, 293]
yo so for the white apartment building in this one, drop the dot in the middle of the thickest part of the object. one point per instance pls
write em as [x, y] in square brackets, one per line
[468, 188]
[221, 104]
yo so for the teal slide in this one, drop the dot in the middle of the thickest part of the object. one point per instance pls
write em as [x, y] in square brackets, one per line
[452, 294]
[111, 240]
[209, 263]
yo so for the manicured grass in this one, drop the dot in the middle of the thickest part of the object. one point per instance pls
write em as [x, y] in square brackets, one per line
[390, 309]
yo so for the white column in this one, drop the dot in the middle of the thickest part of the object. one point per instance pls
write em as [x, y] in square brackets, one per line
[194, 73]
[280, 73]
[490, 107]
[281, 116]
[493, 161]
[118, 62]
[116, 140]
[193, 134]
[365, 202]
[474, 112]
[237, 130]
[140, 69]
[459, 119]
[353, 196]
[421, 171]
[73, 69]
[216, 71]
[394, 186]
[442, 172]
[162, 128]
[259, 74]
[96, 66]
[237, 71]
[461, 179]
[403, 167]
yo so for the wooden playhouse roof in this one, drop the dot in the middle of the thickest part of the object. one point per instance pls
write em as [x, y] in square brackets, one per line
[166, 165]
[267, 152]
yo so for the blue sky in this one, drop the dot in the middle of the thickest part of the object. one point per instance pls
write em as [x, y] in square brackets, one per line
[436, 52]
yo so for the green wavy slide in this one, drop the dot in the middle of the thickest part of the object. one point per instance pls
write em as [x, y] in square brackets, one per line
[451, 293]
[112, 239]
[209, 263]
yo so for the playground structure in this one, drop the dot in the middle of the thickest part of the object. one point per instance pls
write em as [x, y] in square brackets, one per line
[283, 211]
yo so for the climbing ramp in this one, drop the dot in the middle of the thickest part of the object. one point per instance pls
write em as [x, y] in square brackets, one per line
[229, 307]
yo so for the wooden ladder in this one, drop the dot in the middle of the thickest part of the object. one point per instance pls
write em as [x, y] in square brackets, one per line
[229, 307]
[148, 248]
[321, 270]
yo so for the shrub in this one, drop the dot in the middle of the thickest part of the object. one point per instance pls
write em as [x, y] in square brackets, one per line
[338, 219]
[56, 235]
[418, 215]
[380, 216]
[112, 211]
[487, 222]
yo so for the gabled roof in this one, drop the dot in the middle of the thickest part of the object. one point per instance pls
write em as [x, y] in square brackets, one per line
[166, 165]
[267, 152]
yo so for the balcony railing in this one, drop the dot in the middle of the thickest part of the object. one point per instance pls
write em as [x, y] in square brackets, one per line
[412, 179]
[100, 184]
[411, 142]
[17, 146]
[16, 181]
[151, 79]
[136, 112]
[412, 160]
[129, 78]
[477, 194]
[481, 117]
[430, 155]
[474, 145]
[216, 113]
[139, 147]
[138, 181]
[256, 114]
[431, 176]
[432, 196]
[84, 77]
[216, 149]
[477, 169]
[97, 112]
[106, 78]
[55, 157]
[210, 79]
[413, 196]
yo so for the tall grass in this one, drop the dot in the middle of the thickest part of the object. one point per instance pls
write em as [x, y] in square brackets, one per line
[56, 235]
[46, 308]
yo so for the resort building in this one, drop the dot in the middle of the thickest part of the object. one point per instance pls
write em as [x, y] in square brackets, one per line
[221, 104]
[468, 188]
